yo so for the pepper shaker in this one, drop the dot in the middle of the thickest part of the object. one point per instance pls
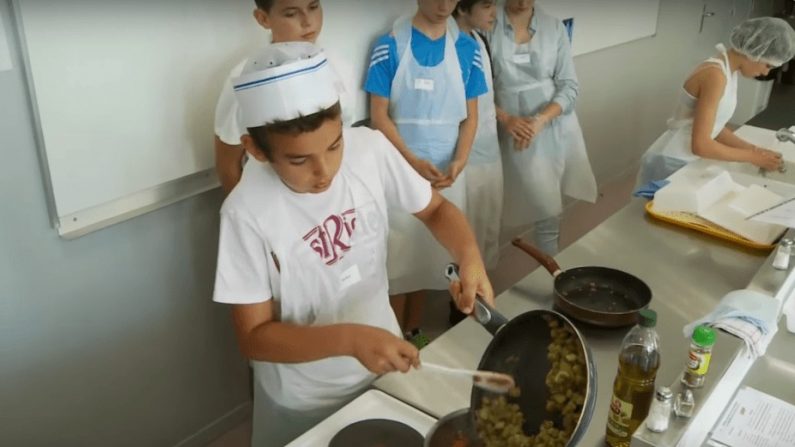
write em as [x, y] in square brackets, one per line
[685, 404]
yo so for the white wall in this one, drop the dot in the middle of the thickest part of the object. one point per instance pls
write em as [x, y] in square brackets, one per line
[109, 340]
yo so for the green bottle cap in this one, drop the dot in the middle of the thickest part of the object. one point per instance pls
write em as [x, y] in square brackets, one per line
[704, 336]
[648, 318]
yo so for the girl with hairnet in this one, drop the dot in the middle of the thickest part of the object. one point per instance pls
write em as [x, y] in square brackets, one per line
[535, 87]
[709, 97]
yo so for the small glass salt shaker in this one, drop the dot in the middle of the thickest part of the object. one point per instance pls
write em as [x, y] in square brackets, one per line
[783, 253]
[660, 410]
[685, 404]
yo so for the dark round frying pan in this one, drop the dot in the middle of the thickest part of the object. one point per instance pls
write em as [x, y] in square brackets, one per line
[519, 348]
[596, 295]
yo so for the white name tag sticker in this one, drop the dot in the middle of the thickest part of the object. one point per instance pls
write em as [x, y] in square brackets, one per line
[350, 277]
[523, 58]
[423, 84]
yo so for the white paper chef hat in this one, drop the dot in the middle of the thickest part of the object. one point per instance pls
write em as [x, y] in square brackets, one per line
[285, 81]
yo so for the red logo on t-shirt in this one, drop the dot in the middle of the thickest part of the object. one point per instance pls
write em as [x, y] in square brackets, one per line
[332, 238]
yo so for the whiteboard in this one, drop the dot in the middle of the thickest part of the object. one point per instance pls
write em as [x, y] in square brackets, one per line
[600, 24]
[124, 93]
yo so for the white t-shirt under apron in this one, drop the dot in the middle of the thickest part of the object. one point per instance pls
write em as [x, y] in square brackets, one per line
[321, 257]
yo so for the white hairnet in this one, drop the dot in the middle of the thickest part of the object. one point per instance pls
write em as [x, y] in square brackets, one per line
[765, 39]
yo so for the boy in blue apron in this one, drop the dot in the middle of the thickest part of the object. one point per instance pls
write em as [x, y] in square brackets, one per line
[424, 80]
[302, 250]
[484, 169]
[288, 21]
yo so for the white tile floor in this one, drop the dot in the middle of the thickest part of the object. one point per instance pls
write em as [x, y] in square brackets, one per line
[578, 219]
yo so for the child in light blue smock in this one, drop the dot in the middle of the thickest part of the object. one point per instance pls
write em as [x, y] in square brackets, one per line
[424, 79]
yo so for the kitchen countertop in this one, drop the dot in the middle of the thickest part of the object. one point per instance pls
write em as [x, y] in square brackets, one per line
[765, 373]
[774, 373]
[688, 273]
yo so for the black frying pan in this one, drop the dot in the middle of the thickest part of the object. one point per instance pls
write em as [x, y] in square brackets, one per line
[519, 348]
[596, 295]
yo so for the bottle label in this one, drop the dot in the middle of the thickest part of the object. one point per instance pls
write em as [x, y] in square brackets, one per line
[619, 417]
[698, 363]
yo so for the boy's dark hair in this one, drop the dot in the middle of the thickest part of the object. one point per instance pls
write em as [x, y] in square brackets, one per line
[464, 6]
[265, 5]
[295, 126]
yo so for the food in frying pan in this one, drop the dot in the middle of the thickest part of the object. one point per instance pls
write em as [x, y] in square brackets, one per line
[567, 378]
[499, 422]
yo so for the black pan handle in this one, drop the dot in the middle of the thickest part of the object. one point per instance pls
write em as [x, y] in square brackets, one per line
[544, 259]
[486, 315]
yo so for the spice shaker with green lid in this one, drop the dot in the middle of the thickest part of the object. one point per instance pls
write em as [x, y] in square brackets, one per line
[698, 358]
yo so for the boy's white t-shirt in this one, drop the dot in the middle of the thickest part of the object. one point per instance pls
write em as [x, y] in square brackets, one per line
[331, 253]
[227, 110]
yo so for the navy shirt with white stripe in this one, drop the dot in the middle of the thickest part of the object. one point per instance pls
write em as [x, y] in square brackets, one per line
[384, 62]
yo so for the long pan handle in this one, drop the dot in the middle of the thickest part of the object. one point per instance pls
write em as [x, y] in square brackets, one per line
[486, 315]
[544, 259]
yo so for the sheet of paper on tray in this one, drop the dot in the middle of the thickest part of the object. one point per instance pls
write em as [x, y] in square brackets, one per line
[713, 194]
[781, 213]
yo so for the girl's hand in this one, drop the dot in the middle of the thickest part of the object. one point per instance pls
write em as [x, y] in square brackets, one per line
[766, 159]
[519, 128]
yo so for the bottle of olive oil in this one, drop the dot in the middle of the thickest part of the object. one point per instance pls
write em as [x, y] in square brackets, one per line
[633, 388]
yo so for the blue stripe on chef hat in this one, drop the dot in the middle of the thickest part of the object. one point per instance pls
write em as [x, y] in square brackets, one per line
[280, 77]
[285, 81]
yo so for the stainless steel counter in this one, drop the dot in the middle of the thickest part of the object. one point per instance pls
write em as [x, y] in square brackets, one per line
[775, 372]
[687, 272]
[727, 374]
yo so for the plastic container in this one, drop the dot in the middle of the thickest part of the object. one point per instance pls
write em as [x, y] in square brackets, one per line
[698, 358]
[633, 388]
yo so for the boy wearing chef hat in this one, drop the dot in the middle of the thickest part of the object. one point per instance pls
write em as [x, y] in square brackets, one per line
[302, 250]
[288, 21]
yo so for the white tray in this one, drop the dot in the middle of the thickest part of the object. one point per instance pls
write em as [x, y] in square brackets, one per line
[373, 404]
